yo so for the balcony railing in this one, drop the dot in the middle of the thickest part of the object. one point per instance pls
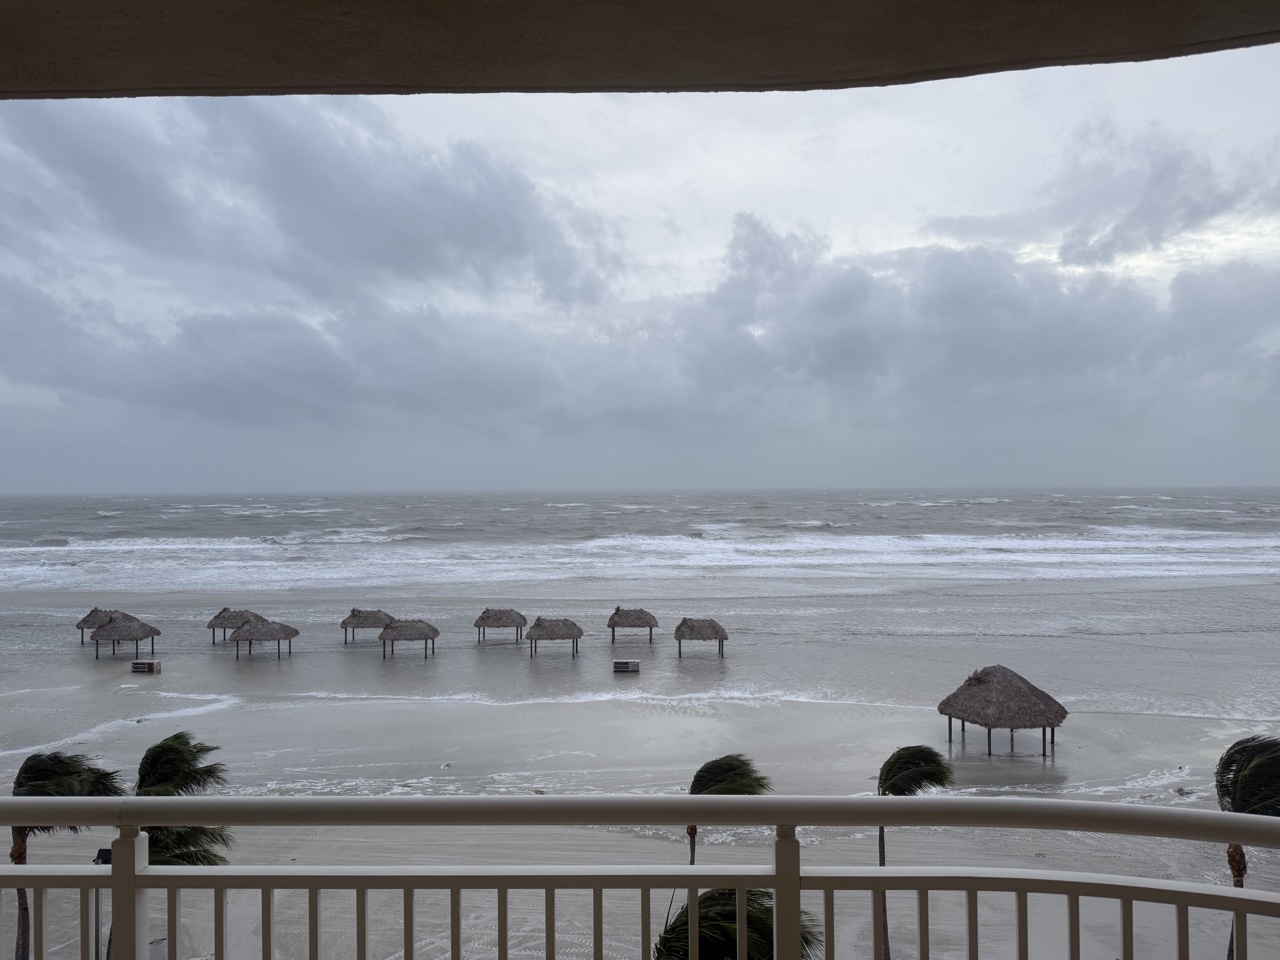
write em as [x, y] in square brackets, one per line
[150, 902]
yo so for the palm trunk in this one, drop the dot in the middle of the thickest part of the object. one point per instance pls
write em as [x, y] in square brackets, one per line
[884, 908]
[1239, 867]
[692, 831]
[18, 857]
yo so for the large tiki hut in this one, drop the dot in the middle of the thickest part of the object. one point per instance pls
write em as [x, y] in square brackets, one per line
[228, 619]
[123, 628]
[95, 618]
[403, 630]
[365, 618]
[691, 629]
[493, 617]
[996, 697]
[549, 628]
[631, 618]
[263, 631]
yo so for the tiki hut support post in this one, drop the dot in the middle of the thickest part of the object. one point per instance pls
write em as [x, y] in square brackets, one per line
[1044, 748]
[988, 741]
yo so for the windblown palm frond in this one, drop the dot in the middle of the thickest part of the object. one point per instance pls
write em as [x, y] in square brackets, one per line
[1247, 778]
[910, 769]
[187, 846]
[57, 774]
[173, 767]
[733, 775]
[718, 929]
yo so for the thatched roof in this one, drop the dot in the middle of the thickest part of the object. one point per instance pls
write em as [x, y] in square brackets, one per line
[631, 618]
[123, 628]
[408, 630]
[545, 628]
[228, 619]
[96, 618]
[996, 697]
[691, 629]
[493, 617]
[264, 631]
[367, 618]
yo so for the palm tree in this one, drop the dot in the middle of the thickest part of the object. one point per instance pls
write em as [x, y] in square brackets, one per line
[733, 774]
[174, 767]
[908, 771]
[52, 774]
[1248, 781]
[718, 929]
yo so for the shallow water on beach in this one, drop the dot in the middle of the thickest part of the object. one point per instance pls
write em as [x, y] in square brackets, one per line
[1149, 614]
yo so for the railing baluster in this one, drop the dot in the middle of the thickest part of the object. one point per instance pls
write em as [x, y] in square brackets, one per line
[828, 925]
[1024, 946]
[1241, 934]
[1073, 927]
[455, 923]
[39, 897]
[878, 906]
[597, 924]
[128, 900]
[313, 924]
[691, 913]
[362, 923]
[219, 924]
[502, 923]
[173, 921]
[407, 924]
[549, 911]
[267, 903]
[1184, 933]
[1126, 930]
[922, 922]
[786, 896]
[646, 923]
[740, 922]
[86, 924]
[971, 905]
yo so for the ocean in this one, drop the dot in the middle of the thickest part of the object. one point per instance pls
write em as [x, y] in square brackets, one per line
[1150, 614]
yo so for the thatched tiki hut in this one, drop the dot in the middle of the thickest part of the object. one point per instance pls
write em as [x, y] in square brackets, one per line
[93, 619]
[263, 631]
[365, 618]
[408, 630]
[492, 617]
[631, 618]
[546, 628]
[228, 619]
[691, 629]
[997, 697]
[123, 628]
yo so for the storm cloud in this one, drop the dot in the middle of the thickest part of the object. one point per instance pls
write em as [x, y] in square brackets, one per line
[276, 294]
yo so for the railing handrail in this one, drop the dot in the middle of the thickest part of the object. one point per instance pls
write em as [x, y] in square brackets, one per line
[810, 811]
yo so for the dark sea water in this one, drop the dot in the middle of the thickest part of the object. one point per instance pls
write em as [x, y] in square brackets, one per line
[1153, 615]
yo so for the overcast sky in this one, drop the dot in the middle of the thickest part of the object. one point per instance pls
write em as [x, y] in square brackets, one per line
[1057, 277]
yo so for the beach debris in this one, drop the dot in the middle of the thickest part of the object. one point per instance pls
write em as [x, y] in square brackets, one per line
[692, 629]
[997, 697]
[553, 628]
[495, 617]
[630, 618]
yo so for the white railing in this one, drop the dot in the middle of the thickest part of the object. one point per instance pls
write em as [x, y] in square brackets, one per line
[130, 882]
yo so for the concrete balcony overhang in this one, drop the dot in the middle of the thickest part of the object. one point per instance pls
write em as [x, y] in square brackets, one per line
[87, 48]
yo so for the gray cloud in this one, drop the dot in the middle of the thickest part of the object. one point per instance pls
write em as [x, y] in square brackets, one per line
[288, 279]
